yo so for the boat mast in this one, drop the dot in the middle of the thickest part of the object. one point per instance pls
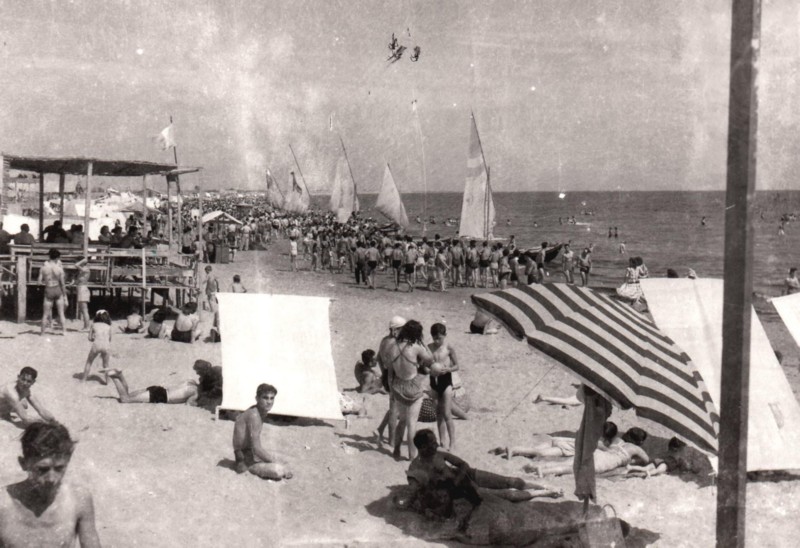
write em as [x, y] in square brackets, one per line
[488, 190]
[300, 171]
[355, 189]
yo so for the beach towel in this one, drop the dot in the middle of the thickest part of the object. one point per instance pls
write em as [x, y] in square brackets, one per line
[690, 312]
[282, 340]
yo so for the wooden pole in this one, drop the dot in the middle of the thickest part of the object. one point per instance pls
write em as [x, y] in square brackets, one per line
[300, 171]
[200, 218]
[87, 209]
[738, 269]
[144, 205]
[41, 206]
[169, 214]
[22, 288]
[178, 192]
[61, 182]
[3, 185]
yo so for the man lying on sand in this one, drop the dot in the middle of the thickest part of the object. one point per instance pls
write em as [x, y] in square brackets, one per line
[438, 478]
[680, 459]
[618, 455]
[40, 510]
[483, 324]
[247, 449]
[187, 392]
[16, 398]
[547, 446]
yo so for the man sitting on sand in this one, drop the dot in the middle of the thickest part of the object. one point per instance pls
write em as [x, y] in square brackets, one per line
[438, 478]
[17, 398]
[187, 324]
[247, 449]
[41, 510]
[187, 392]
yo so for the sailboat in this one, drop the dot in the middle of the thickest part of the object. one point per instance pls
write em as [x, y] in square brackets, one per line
[477, 207]
[275, 196]
[389, 202]
[297, 201]
[344, 197]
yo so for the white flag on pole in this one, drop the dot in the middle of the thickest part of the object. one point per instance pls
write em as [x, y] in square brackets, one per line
[167, 137]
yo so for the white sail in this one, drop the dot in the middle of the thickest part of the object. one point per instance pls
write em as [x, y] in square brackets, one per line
[274, 196]
[297, 200]
[477, 207]
[389, 202]
[344, 200]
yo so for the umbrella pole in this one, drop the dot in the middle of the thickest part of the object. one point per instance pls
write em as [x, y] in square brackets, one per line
[737, 303]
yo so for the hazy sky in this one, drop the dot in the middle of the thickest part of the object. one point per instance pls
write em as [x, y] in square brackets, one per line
[619, 94]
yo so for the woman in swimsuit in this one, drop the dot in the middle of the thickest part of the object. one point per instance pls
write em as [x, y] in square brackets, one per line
[410, 367]
[442, 384]
[185, 328]
[51, 275]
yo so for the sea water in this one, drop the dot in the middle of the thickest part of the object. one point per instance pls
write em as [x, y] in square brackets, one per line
[664, 228]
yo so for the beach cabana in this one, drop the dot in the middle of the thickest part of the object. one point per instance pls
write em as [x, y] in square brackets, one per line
[89, 167]
[690, 312]
[290, 329]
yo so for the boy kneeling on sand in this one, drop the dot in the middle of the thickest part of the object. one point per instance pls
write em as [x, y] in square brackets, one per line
[40, 510]
[249, 453]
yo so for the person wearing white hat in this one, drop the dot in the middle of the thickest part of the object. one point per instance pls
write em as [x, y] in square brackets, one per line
[384, 361]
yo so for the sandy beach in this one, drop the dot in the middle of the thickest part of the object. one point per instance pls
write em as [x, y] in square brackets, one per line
[161, 475]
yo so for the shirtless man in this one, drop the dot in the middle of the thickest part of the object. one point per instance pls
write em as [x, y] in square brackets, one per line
[51, 275]
[17, 399]
[186, 328]
[247, 449]
[187, 392]
[41, 510]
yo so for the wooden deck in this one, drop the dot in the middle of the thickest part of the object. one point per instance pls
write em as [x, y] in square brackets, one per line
[112, 271]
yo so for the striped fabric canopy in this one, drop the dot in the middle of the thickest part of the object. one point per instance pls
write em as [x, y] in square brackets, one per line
[615, 350]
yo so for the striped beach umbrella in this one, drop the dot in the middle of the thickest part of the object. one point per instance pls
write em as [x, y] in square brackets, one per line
[617, 351]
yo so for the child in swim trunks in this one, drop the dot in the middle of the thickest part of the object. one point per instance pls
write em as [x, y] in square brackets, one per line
[134, 322]
[442, 383]
[237, 286]
[100, 335]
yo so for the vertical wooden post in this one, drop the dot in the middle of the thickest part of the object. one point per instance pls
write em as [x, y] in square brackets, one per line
[3, 185]
[87, 205]
[61, 180]
[180, 215]
[144, 281]
[169, 214]
[144, 205]
[200, 217]
[738, 268]
[22, 288]
[41, 206]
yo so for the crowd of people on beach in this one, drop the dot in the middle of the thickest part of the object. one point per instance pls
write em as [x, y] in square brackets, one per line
[423, 381]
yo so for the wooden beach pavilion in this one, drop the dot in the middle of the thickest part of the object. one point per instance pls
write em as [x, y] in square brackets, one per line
[112, 270]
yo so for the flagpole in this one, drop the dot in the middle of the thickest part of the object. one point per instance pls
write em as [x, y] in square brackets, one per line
[738, 272]
[299, 170]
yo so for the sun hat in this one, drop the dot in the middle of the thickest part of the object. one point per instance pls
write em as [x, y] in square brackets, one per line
[396, 322]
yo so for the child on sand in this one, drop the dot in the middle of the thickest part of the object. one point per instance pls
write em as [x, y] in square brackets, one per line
[84, 295]
[247, 449]
[237, 286]
[100, 335]
[368, 374]
[156, 328]
[42, 510]
[134, 322]
[442, 383]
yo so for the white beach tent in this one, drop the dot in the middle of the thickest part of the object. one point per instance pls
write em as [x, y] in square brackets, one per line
[690, 312]
[788, 308]
[282, 340]
[220, 217]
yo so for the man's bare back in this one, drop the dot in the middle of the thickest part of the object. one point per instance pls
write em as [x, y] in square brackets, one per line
[248, 450]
